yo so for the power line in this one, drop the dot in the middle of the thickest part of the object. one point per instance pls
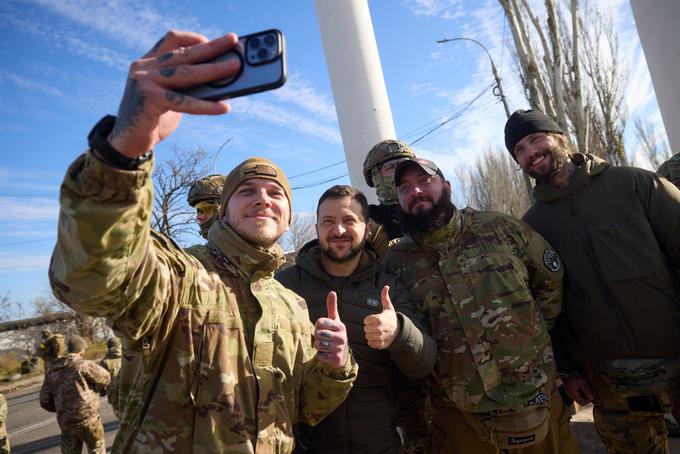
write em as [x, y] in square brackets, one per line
[318, 183]
[316, 170]
[457, 114]
[27, 242]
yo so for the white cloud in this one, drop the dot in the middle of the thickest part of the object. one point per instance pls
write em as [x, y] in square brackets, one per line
[28, 209]
[302, 93]
[442, 9]
[23, 263]
[283, 117]
[31, 86]
[137, 24]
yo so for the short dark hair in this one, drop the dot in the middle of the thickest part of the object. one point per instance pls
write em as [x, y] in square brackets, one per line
[340, 191]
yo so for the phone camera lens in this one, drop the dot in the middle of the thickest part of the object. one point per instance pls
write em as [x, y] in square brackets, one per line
[254, 43]
[269, 40]
[262, 53]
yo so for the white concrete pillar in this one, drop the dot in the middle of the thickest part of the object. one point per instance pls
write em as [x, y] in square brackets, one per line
[361, 101]
[657, 24]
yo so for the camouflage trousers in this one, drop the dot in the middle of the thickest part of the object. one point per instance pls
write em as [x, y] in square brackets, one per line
[92, 435]
[454, 435]
[4, 443]
[630, 420]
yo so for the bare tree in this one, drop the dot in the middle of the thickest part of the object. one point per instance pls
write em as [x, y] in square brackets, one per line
[301, 232]
[654, 146]
[495, 183]
[172, 215]
[567, 60]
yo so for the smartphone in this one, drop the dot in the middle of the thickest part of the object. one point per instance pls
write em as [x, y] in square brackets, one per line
[263, 67]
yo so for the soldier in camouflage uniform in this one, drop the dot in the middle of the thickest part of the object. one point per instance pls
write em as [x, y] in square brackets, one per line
[617, 342]
[204, 197]
[51, 348]
[4, 439]
[490, 288]
[72, 388]
[219, 357]
[111, 362]
[379, 167]
[671, 169]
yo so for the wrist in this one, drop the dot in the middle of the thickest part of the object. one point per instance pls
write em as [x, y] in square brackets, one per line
[105, 151]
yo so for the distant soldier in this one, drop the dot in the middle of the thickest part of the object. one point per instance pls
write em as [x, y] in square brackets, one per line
[52, 347]
[204, 196]
[111, 362]
[379, 167]
[71, 389]
[670, 170]
[29, 364]
[4, 440]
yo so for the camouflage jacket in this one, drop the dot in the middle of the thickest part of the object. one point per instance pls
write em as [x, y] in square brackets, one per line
[490, 288]
[192, 381]
[111, 362]
[670, 169]
[72, 388]
[384, 222]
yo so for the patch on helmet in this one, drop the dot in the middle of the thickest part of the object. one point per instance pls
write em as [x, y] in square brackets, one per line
[552, 260]
[373, 303]
[261, 169]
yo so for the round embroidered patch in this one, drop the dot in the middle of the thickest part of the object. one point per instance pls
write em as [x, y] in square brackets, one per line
[551, 260]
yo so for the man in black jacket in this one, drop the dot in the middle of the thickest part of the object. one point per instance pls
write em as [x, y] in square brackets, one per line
[386, 336]
[617, 342]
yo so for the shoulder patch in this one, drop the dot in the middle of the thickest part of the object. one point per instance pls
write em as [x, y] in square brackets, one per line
[551, 260]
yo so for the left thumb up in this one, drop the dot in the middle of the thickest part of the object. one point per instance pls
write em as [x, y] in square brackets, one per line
[385, 297]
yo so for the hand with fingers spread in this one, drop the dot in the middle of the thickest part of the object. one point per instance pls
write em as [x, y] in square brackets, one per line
[381, 329]
[151, 107]
[330, 335]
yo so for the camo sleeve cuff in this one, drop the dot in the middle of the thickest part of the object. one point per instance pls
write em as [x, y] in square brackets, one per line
[348, 371]
[107, 182]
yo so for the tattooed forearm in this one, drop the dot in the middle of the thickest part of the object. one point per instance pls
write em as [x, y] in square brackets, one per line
[174, 97]
[130, 107]
[168, 72]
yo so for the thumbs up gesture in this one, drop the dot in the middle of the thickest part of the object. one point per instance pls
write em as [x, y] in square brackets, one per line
[381, 329]
[330, 335]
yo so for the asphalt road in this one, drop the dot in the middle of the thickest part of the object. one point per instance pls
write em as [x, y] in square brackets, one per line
[32, 429]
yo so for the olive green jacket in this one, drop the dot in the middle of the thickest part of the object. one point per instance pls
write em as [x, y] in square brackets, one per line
[193, 379]
[490, 288]
[618, 231]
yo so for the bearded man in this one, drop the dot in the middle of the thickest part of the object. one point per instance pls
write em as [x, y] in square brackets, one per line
[490, 288]
[386, 336]
[617, 230]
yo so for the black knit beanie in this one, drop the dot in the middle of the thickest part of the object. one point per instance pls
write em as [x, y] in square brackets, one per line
[525, 122]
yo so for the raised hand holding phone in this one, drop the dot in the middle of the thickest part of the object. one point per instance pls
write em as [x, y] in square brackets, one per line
[151, 107]
[330, 335]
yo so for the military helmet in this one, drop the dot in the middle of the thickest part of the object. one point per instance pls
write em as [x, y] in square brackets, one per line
[384, 151]
[206, 188]
[113, 342]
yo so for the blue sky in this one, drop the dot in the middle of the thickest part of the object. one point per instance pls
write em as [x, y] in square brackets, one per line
[64, 65]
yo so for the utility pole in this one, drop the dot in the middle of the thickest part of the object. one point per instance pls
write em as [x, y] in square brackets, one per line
[497, 91]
